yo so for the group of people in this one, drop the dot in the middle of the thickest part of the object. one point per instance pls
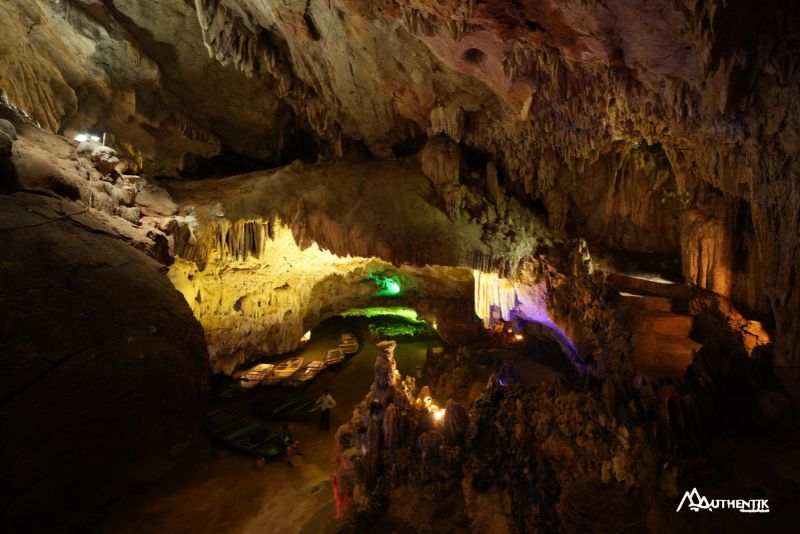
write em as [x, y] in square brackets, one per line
[291, 446]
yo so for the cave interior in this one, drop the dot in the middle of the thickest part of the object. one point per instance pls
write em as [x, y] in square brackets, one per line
[561, 240]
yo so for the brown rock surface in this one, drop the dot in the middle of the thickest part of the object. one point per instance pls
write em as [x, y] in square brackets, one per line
[105, 372]
[139, 72]
[657, 127]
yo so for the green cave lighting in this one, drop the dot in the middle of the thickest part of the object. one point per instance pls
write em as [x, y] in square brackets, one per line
[409, 314]
[389, 284]
[392, 321]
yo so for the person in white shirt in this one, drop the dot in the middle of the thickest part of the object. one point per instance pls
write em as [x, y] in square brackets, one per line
[325, 403]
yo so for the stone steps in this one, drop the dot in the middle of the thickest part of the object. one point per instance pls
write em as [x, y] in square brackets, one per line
[649, 284]
[661, 337]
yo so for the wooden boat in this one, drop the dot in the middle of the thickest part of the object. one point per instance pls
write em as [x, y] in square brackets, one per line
[288, 367]
[243, 433]
[272, 379]
[300, 410]
[334, 357]
[255, 375]
[348, 343]
[293, 408]
[232, 391]
[305, 374]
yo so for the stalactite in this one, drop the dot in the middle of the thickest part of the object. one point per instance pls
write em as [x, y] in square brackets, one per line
[449, 121]
[491, 291]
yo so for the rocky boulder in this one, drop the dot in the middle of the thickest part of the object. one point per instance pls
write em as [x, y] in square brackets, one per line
[105, 371]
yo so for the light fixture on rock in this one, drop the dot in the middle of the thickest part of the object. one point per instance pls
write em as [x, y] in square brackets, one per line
[84, 137]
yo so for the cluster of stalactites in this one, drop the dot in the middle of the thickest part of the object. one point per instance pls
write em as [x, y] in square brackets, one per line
[494, 292]
[232, 40]
[237, 240]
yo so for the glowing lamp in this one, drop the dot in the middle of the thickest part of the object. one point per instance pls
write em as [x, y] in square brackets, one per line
[389, 285]
[518, 337]
[392, 287]
[305, 337]
[83, 137]
[434, 410]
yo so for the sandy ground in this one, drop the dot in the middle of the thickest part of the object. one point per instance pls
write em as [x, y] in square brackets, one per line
[214, 489]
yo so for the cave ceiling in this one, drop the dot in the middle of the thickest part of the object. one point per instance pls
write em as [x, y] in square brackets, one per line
[664, 127]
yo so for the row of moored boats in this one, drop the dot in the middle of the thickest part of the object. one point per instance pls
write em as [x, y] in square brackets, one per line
[295, 372]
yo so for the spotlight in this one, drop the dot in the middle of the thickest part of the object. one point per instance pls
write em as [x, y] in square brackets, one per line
[83, 137]
[518, 337]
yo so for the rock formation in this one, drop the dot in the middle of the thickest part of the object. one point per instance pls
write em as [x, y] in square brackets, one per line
[88, 367]
[574, 109]
[396, 436]
[617, 178]
[515, 446]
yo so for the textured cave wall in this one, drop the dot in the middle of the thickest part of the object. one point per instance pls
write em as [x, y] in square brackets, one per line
[261, 261]
[138, 71]
[262, 303]
[105, 371]
[562, 83]
[566, 99]
[566, 89]
[385, 209]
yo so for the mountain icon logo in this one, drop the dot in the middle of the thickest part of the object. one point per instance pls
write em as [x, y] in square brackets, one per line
[696, 501]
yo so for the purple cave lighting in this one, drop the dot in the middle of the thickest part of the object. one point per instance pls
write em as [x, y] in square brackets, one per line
[499, 298]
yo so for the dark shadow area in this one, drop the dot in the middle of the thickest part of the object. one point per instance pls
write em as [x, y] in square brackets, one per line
[229, 162]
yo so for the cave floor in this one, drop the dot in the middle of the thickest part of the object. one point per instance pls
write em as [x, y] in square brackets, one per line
[214, 489]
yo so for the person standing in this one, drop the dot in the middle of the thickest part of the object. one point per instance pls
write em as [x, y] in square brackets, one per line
[325, 403]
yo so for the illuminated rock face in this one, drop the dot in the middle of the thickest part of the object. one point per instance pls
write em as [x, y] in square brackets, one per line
[265, 303]
[261, 301]
[257, 283]
[491, 291]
